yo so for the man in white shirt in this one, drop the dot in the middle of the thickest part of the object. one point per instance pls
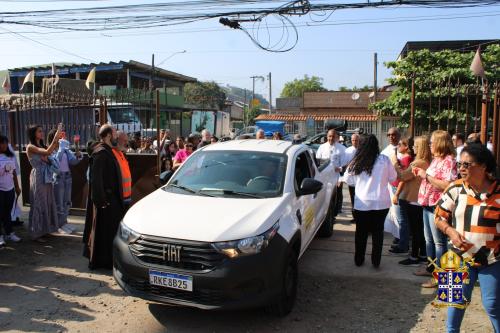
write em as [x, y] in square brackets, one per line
[349, 155]
[393, 135]
[336, 153]
[392, 220]
[333, 151]
[164, 136]
[458, 142]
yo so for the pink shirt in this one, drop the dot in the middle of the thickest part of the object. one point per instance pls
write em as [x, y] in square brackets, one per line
[442, 169]
[181, 156]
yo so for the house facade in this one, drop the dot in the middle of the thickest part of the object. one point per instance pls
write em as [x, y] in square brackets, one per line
[326, 105]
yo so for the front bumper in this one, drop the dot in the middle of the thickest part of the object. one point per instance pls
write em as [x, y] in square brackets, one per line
[248, 281]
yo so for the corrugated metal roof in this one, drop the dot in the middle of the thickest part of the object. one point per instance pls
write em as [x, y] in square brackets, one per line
[45, 70]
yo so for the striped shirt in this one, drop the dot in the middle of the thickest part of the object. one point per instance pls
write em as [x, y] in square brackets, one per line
[476, 216]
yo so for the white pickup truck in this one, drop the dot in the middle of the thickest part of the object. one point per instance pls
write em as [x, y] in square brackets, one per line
[228, 228]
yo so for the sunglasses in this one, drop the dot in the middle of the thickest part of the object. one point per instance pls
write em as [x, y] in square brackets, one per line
[466, 165]
[189, 146]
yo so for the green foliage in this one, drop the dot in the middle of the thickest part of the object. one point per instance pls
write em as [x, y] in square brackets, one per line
[208, 95]
[296, 88]
[363, 88]
[238, 94]
[439, 76]
[251, 114]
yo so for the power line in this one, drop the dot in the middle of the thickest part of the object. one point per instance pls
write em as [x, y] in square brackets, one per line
[324, 23]
[46, 45]
[250, 16]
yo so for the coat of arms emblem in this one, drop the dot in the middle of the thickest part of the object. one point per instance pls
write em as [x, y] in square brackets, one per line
[451, 277]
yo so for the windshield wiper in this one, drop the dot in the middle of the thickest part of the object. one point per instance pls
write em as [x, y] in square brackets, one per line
[190, 190]
[231, 192]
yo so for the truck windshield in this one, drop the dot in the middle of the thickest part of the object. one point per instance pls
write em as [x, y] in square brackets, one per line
[242, 174]
[122, 115]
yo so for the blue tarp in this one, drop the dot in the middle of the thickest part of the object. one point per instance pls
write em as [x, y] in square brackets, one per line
[271, 126]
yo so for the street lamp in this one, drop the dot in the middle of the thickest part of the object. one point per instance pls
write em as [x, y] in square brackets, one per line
[170, 56]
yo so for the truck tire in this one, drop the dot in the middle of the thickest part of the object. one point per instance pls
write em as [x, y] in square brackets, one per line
[326, 229]
[283, 304]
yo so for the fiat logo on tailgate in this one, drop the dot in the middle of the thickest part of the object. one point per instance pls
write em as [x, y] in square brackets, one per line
[172, 253]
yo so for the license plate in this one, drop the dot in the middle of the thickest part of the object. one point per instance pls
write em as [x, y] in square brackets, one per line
[171, 280]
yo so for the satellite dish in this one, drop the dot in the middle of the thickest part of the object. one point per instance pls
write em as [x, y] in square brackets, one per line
[355, 96]
[372, 94]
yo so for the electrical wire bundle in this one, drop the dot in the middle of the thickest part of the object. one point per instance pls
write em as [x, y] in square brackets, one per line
[254, 17]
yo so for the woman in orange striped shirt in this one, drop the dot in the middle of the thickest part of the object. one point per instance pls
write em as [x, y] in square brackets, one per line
[469, 214]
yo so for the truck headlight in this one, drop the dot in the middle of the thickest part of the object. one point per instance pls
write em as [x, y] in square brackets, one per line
[247, 246]
[127, 234]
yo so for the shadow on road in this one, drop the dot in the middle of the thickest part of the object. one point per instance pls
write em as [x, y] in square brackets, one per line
[324, 304]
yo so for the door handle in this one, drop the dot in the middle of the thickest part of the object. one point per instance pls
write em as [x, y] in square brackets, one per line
[299, 216]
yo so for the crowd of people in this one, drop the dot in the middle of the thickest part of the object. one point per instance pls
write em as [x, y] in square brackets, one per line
[433, 194]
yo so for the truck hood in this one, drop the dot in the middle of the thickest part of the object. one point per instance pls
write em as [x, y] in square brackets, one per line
[201, 218]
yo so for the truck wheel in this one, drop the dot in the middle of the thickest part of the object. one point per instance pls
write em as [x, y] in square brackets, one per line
[326, 229]
[283, 304]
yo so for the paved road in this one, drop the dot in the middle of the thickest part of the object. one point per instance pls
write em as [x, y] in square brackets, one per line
[49, 288]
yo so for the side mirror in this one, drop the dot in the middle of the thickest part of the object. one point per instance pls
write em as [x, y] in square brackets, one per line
[165, 177]
[310, 186]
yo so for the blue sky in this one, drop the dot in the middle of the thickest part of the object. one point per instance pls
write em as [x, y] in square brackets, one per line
[341, 54]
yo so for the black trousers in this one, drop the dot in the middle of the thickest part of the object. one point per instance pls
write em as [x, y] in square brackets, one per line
[339, 198]
[415, 217]
[6, 202]
[352, 192]
[369, 222]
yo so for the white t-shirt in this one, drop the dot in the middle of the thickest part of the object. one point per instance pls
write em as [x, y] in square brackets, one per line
[389, 150]
[489, 145]
[7, 169]
[349, 154]
[335, 153]
[372, 191]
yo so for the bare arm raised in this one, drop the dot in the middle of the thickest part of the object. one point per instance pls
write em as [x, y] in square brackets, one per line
[32, 149]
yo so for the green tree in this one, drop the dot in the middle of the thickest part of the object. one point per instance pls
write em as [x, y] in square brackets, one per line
[251, 114]
[439, 77]
[296, 88]
[364, 88]
[207, 95]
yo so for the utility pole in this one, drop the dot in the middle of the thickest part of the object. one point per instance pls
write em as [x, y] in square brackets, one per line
[245, 111]
[270, 94]
[253, 85]
[375, 63]
[253, 90]
[152, 74]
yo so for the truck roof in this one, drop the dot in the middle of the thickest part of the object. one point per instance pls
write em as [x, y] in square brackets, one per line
[270, 146]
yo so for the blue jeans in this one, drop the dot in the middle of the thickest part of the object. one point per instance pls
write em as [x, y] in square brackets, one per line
[62, 194]
[435, 240]
[489, 279]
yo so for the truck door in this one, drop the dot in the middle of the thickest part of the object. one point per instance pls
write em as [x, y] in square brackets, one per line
[319, 199]
[303, 205]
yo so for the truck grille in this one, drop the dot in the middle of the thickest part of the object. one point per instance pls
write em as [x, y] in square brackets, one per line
[194, 256]
[207, 297]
